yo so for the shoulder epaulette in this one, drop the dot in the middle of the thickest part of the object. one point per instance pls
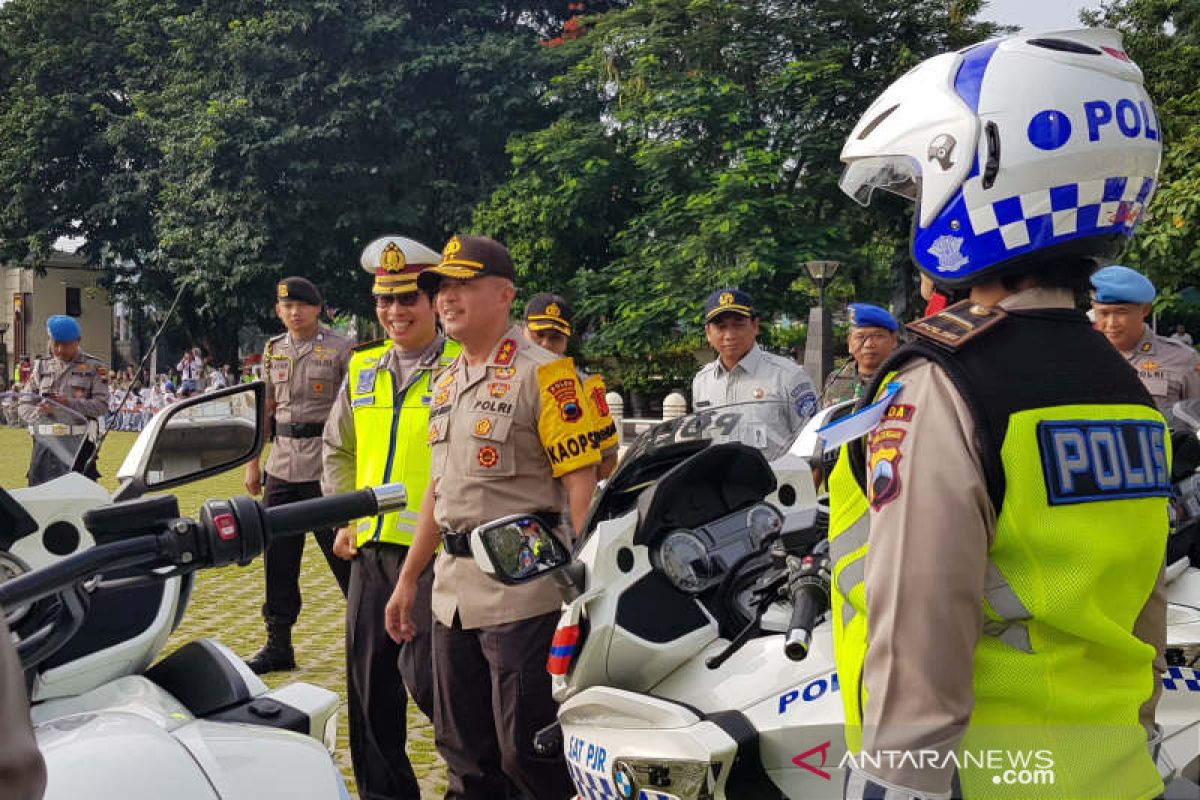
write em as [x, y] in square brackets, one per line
[958, 324]
[369, 345]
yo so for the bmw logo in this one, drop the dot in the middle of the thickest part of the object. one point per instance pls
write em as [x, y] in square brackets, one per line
[626, 780]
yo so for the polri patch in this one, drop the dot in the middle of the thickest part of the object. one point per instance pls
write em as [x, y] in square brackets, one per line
[1086, 461]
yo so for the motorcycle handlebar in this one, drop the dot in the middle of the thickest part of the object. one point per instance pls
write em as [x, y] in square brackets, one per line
[810, 599]
[338, 509]
[33, 586]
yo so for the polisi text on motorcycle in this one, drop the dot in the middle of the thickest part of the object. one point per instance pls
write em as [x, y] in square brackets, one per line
[812, 691]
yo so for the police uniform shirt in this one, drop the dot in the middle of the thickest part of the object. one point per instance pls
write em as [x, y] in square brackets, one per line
[922, 530]
[340, 438]
[758, 376]
[501, 435]
[302, 378]
[1169, 369]
[83, 381]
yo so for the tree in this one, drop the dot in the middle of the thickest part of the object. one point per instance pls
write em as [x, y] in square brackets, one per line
[696, 145]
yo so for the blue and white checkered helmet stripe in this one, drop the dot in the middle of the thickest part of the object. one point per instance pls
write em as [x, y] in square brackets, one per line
[1011, 147]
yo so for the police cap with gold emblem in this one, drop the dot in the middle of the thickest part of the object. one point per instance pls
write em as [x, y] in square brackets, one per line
[465, 258]
[297, 288]
[396, 261]
[728, 301]
[549, 312]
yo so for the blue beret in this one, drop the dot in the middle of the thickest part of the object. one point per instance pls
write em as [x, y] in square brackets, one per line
[1122, 285]
[865, 315]
[63, 328]
[724, 301]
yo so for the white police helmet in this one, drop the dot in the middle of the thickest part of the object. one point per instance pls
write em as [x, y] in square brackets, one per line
[1015, 150]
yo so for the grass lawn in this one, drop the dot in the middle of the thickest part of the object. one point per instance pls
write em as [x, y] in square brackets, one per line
[226, 605]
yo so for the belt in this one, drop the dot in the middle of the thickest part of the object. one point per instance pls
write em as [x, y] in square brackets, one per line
[458, 543]
[303, 430]
[58, 429]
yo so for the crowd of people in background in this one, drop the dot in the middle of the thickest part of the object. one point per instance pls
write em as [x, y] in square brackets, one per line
[130, 407]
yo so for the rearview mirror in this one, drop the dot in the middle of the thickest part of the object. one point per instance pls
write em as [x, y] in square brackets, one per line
[195, 438]
[518, 548]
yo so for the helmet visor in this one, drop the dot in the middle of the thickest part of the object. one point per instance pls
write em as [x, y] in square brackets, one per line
[896, 174]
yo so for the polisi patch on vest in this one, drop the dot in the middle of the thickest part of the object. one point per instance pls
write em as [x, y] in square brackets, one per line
[1086, 461]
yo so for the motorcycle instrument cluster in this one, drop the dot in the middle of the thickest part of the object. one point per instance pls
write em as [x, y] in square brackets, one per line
[697, 559]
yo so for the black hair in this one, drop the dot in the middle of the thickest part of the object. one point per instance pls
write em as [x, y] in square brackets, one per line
[1058, 273]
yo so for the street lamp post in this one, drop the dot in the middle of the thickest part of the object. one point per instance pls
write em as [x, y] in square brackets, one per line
[818, 348]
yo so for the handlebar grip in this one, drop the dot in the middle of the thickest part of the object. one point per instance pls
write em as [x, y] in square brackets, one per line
[324, 512]
[809, 601]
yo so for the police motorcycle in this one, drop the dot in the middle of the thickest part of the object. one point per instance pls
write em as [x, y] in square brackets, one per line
[93, 585]
[694, 656]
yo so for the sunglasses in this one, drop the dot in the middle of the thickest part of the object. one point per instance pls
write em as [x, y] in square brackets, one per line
[407, 300]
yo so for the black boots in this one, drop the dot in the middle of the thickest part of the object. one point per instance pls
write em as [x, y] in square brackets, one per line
[277, 653]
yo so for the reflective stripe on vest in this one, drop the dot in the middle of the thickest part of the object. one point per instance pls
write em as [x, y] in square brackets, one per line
[1035, 687]
[392, 433]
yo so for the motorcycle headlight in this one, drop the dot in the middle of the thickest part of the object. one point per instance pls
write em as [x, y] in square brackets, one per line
[687, 780]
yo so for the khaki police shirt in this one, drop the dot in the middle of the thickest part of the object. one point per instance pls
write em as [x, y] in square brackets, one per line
[83, 382]
[502, 435]
[929, 546]
[758, 376]
[340, 440]
[302, 378]
[1169, 369]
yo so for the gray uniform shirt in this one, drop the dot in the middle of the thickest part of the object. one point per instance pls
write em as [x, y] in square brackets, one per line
[1169, 369]
[302, 378]
[758, 376]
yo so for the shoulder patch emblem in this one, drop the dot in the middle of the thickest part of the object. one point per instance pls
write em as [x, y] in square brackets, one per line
[884, 475]
[566, 394]
[957, 324]
[900, 412]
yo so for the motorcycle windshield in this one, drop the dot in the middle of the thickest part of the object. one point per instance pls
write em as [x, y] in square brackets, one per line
[760, 424]
[57, 429]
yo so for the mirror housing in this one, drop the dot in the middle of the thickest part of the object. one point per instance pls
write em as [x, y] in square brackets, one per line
[518, 548]
[195, 438]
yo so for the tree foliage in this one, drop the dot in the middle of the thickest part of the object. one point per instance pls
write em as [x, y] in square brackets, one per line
[696, 144]
[225, 144]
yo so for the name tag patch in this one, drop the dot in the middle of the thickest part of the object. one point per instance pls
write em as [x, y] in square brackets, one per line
[1089, 461]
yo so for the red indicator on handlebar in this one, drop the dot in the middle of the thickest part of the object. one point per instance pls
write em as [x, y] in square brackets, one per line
[226, 527]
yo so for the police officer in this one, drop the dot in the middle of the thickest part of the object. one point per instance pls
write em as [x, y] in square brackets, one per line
[874, 335]
[509, 432]
[72, 378]
[302, 369]
[998, 537]
[378, 432]
[1169, 368]
[743, 372]
[548, 323]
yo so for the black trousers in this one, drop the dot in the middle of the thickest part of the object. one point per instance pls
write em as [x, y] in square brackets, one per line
[491, 695]
[375, 666]
[281, 562]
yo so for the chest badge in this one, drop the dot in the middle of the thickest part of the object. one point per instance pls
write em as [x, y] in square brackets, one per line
[759, 393]
[281, 371]
[1150, 365]
[488, 457]
[441, 397]
[505, 373]
[498, 390]
[366, 382]
[483, 427]
[446, 381]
